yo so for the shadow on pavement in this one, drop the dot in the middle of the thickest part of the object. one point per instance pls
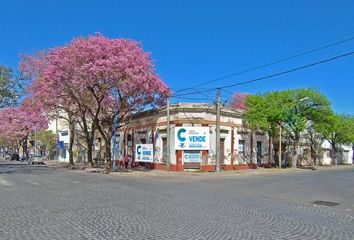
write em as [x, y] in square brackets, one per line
[24, 168]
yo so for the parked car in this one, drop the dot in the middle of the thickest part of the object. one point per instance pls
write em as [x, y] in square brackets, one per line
[7, 156]
[36, 159]
[15, 157]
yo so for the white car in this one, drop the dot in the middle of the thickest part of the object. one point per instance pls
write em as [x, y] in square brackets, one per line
[36, 159]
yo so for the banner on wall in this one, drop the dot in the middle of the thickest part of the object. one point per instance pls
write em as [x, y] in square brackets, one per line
[144, 153]
[192, 138]
[191, 156]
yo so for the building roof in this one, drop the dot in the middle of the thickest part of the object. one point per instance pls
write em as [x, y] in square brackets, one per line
[190, 107]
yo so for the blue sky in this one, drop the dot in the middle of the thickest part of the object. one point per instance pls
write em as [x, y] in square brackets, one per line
[196, 41]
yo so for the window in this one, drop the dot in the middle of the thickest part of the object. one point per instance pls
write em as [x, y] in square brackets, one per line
[328, 153]
[129, 140]
[64, 133]
[241, 146]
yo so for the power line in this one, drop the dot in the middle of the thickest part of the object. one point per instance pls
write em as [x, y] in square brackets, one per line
[191, 98]
[227, 91]
[277, 74]
[200, 92]
[278, 60]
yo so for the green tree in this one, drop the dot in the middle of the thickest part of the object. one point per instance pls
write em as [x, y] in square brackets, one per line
[9, 87]
[46, 139]
[292, 110]
[266, 113]
[302, 107]
[337, 129]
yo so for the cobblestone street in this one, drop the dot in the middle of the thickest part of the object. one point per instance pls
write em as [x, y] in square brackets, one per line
[39, 202]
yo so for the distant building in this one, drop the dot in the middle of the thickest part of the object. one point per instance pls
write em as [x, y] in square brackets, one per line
[344, 154]
[60, 127]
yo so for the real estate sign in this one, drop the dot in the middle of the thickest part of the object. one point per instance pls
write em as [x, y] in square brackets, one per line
[192, 138]
[144, 153]
[192, 156]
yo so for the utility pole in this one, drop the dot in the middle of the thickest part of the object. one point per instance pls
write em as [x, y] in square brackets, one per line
[279, 153]
[56, 138]
[168, 162]
[217, 130]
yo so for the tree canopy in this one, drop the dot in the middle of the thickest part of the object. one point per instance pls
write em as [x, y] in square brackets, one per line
[291, 110]
[9, 87]
[82, 76]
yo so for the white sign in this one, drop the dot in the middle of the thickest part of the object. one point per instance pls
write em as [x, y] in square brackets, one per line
[192, 138]
[192, 156]
[144, 153]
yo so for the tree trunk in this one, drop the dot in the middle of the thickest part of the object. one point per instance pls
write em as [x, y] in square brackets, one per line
[89, 140]
[108, 156]
[107, 143]
[312, 154]
[269, 150]
[334, 154]
[24, 146]
[71, 142]
[251, 147]
[275, 150]
[295, 153]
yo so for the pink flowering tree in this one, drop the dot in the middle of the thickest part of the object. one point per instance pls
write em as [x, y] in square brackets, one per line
[17, 124]
[84, 73]
[238, 101]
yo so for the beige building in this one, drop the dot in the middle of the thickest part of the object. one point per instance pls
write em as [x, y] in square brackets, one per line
[150, 127]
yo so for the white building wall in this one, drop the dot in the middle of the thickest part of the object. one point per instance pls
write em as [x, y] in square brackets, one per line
[344, 154]
[158, 146]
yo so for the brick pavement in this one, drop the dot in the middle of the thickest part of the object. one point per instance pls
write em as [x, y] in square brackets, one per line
[38, 202]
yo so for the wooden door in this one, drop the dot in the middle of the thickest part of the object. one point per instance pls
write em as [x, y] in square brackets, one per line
[222, 148]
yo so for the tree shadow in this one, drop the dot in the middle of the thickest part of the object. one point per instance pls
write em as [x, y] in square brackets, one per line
[19, 168]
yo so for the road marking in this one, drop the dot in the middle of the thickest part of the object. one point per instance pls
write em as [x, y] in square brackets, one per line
[4, 182]
[32, 182]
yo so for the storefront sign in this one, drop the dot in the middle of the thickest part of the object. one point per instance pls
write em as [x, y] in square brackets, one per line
[192, 138]
[192, 156]
[144, 153]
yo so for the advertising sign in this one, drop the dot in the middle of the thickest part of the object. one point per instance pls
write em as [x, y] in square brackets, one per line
[144, 153]
[192, 138]
[60, 144]
[192, 156]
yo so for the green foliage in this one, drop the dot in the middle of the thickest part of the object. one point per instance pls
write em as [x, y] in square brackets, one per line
[337, 128]
[294, 110]
[9, 87]
[290, 108]
[46, 138]
[302, 106]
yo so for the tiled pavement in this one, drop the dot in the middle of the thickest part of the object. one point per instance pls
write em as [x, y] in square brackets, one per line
[37, 202]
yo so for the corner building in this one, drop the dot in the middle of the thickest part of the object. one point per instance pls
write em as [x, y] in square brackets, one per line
[239, 147]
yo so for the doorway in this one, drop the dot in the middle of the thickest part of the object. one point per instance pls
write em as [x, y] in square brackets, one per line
[222, 148]
[259, 153]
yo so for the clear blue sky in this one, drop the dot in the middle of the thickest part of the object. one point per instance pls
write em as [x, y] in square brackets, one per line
[200, 40]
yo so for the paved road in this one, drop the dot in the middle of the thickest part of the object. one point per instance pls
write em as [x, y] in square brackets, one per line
[38, 202]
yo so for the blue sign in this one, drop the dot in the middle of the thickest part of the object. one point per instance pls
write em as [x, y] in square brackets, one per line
[60, 144]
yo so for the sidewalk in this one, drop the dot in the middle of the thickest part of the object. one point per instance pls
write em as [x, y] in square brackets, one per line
[82, 167]
[246, 172]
